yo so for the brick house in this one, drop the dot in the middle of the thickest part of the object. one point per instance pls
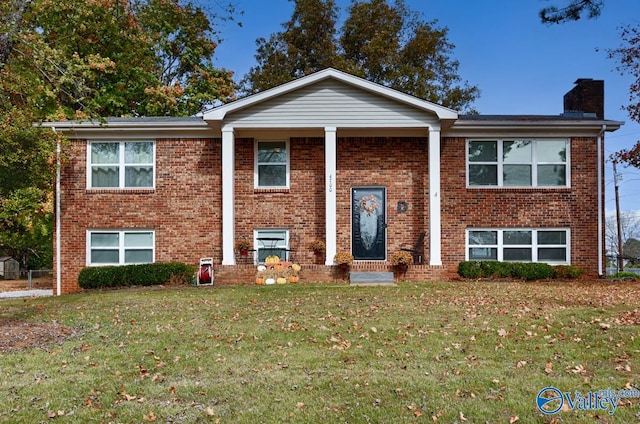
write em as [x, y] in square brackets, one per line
[333, 157]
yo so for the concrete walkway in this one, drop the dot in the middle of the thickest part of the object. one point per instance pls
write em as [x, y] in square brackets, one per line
[25, 293]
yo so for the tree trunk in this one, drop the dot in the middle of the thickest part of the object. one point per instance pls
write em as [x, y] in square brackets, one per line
[11, 22]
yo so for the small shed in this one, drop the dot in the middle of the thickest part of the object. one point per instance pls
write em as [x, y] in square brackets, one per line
[9, 268]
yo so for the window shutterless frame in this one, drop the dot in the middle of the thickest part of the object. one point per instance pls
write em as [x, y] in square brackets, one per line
[120, 247]
[121, 164]
[518, 163]
[549, 245]
[271, 164]
[270, 241]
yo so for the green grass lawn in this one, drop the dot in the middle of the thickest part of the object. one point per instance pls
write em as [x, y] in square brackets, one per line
[466, 352]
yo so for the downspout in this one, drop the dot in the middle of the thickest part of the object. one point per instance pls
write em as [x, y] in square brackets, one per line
[58, 231]
[600, 202]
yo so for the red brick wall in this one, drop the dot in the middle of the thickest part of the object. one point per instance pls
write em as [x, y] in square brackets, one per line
[574, 207]
[299, 208]
[400, 164]
[184, 209]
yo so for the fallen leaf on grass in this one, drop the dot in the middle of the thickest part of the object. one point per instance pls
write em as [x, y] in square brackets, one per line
[578, 369]
[462, 418]
[548, 368]
[54, 414]
[513, 419]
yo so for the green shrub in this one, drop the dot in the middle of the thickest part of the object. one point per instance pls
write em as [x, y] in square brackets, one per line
[625, 276]
[494, 269]
[532, 270]
[470, 269]
[135, 275]
[497, 269]
[567, 271]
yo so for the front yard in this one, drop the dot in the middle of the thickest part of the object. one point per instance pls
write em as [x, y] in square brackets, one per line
[467, 352]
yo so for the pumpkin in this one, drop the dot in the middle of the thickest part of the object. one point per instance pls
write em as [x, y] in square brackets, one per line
[270, 281]
[278, 266]
[272, 259]
[260, 280]
[281, 280]
[293, 279]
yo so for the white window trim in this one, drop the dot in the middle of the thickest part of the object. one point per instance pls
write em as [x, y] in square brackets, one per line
[258, 244]
[534, 243]
[287, 164]
[121, 247]
[534, 163]
[121, 165]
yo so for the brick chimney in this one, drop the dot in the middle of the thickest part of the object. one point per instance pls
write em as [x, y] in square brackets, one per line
[586, 97]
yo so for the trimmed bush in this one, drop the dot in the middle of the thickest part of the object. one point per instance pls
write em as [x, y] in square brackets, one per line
[494, 269]
[625, 276]
[135, 275]
[532, 271]
[470, 269]
[567, 271]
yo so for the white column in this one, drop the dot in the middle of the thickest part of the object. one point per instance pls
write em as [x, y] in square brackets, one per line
[330, 159]
[228, 196]
[435, 233]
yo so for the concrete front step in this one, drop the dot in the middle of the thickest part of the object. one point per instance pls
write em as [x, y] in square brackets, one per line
[371, 278]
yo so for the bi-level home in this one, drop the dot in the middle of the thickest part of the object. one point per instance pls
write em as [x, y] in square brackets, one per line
[332, 157]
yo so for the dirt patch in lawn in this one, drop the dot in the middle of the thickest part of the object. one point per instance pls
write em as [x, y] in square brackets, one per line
[17, 335]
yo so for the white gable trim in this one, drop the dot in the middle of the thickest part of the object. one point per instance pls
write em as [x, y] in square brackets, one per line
[219, 113]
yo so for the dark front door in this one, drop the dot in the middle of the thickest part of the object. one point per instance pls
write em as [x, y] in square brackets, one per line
[368, 223]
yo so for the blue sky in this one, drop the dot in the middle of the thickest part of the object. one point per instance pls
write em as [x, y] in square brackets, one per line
[520, 65]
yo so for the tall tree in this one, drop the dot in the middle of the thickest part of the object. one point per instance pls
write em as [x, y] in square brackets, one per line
[630, 226]
[628, 58]
[573, 11]
[632, 252]
[306, 45]
[150, 57]
[381, 41]
[86, 58]
[9, 26]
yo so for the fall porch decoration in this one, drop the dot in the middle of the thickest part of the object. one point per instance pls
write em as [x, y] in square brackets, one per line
[343, 259]
[242, 246]
[318, 247]
[401, 259]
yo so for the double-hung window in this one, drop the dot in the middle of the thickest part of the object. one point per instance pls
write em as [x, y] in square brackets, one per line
[272, 164]
[121, 247]
[519, 245]
[518, 163]
[271, 241]
[124, 164]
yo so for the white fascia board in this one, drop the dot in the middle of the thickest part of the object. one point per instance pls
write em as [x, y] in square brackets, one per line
[97, 130]
[219, 113]
[534, 128]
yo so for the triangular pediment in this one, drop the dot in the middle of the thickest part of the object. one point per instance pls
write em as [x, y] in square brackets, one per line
[330, 97]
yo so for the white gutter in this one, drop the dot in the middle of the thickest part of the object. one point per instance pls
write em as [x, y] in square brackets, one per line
[600, 195]
[58, 231]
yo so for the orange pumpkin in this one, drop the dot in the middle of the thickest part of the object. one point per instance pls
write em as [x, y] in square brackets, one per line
[293, 279]
[260, 280]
